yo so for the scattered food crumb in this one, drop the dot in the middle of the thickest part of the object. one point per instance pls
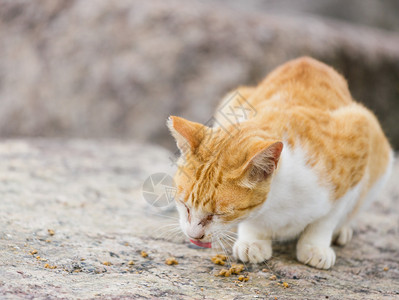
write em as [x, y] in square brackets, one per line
[171, 261]
[33, 252]
[47, 266]
[219, 259]
[126, 244]
[48, 241]
[285, 284]
[224, 272]
[273, 277]
[82, 259]
[236, 269]
[221, 256]
[386, 269]
[144, 254]
[51, 232]
[107, 263]
[243, 278]
[38, 257]
[130, 263]
[202, 289]
[264, 270]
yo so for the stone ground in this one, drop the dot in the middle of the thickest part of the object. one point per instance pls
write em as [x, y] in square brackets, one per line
[89, 194]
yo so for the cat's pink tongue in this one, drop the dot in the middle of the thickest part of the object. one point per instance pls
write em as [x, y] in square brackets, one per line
[205, 245]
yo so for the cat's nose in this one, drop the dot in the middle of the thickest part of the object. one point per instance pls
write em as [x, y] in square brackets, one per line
[195, 232]
[196, 237]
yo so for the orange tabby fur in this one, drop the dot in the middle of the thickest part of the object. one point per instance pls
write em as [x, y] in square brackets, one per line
[302, 103]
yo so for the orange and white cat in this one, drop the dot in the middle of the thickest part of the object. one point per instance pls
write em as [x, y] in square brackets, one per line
[295, 156]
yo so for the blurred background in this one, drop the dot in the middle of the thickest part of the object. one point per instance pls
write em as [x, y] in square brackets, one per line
[118, 69]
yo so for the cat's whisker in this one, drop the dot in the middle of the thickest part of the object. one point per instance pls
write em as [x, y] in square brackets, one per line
[167, 226]
[174, 225]
[163, 216]
[224, 249]
[168, 232]
[231, 239]
[229, 231]
[173, 235]
[229, 244]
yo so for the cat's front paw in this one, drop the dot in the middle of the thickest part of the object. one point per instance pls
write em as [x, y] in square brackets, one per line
[254, 252]
[316, 256]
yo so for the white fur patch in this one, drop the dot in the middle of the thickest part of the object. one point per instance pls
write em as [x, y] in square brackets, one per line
[296, 197]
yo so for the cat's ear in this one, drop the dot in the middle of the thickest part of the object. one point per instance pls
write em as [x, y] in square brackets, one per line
[188, 135]
[263, 160]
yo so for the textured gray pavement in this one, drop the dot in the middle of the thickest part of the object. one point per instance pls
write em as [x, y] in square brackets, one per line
[79, 204]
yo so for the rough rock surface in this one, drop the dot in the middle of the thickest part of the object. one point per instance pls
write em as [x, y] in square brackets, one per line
[79, 204]
[119, 68]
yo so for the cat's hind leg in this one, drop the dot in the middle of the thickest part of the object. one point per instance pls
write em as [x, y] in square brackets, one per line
[344, 235]
[314, 244]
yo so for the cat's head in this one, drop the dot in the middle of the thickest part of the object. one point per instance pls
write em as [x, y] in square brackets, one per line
[223, 175]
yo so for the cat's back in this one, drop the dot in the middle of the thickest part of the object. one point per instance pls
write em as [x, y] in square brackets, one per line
[303, 82]
[309, 104]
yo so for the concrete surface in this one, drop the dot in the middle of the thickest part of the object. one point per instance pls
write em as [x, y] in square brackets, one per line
[79, 204]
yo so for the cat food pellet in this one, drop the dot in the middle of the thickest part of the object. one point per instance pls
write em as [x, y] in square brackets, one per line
[286, 285]
[219, 259]
[273, 277]
[130, 263]
[33, 252]
[51, 232]
[221, 256]
[144, 254]
[171, 261]
[38, 257]
[47, 266]
[243, 278]
[386, 269]
[236, 269]
[107, 263]
[224, 272]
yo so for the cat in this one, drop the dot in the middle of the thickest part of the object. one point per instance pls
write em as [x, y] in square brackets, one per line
[298, 160]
